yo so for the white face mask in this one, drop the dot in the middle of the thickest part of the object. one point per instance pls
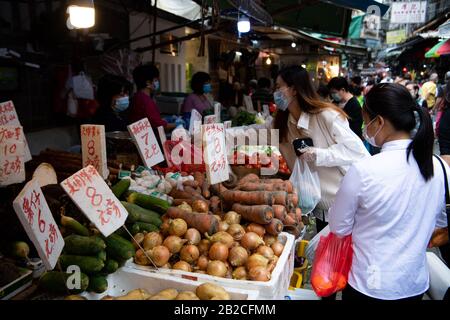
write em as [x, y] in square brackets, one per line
[371, 140]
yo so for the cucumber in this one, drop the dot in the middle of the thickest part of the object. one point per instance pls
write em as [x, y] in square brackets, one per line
[97, 284]
[148, 202]
[123, 233]
[111, 266]
[143, 215]
[80, 245]
[101, 255]
[133, 215]
[144, 227]
[73, 225]
[88, 265]
[56, 282]
[121, 187]
[134, 228]
[119, 248]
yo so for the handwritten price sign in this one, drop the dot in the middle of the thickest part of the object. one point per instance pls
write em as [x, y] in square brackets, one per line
[148, 147]
[93, 144]
[8, 117]
[210, 119]
[217, 169]
[35, 216]
[93, 196]
[12, 150]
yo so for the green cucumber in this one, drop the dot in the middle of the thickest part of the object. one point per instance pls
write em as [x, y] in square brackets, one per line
[88, 265]
[121, 187]
[111, 266]
[73, 225]
[148, 202]
[134, 228]
[80, 245]
[119, 248]
[97, 284]
[144, 227]
[56, 282]
[142, 215]
[101, 255]
[133, 215]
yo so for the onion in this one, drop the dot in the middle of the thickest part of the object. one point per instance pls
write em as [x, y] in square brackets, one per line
[151, 240]
[189, 253]
[182, 265]
[192, 236]
[140, 258]
[240, 273]
[184, 206]
[277, 248]
[256, 228]
[251, 241]
[174, 243]
[178, 227]
[138, 237]
[218, 251]
[232, 218]
[223, 226]
[266, 252]
[259, 274]
[236, 231]
[160, 255]
[164, 228]
[200, 206]
[273, 263]
[222, 237]
[217, 268]
[257, 260]
[238, 256]
[202, 262]
[167, 266]
[203, 247]
[269, 239]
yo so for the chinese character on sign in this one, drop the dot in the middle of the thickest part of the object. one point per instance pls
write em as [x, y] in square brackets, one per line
[145, 139]
[12, 151]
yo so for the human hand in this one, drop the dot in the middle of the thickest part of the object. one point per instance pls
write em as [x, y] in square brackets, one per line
[308, 154]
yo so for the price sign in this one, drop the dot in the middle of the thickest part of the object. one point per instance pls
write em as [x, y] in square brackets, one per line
[227, 124]
[93, 146]
[196, 118]
[148, 147]
[210, 119]
[35, 216]
[12, 151]
[217, 169]
[8, 117]
[93, 196]
[217, 108]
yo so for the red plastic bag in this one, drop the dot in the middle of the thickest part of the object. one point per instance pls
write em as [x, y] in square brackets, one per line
[332, 262]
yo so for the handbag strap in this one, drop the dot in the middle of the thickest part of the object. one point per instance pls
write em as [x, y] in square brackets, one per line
[447, 194]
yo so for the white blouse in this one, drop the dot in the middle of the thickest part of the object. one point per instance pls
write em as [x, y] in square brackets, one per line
[391, 212]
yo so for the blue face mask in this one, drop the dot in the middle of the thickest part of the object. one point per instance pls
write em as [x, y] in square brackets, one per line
[121, 104]
[280, 100]
[156, 85]
[207, 88]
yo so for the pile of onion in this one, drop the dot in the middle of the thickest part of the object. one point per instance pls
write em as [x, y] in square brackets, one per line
[174, 244]
[217, 268]
[193, 236]
[177, 227]
[251, 241]
[218, 251]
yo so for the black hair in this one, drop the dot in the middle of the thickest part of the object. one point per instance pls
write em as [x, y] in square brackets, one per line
[394, 103]
[339, 83]
[264, 83]
[357, 80]
[144, 73]
[110, 86]
[323, 91]
[198, 80]
[356, 90]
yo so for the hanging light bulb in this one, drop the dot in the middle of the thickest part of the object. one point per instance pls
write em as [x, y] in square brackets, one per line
[81, 14]
[243, 24]
[268, 61]
[293, 44]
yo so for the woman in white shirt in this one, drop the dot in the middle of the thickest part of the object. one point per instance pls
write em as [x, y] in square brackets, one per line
[391, 202]
[303, 114]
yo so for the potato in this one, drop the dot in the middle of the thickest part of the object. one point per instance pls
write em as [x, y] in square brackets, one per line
[168, 294]
[75, 297]
[137, 294]
[208, 291]
[187, 295]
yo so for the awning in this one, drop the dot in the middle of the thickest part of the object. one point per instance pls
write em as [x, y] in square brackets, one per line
[440, 49]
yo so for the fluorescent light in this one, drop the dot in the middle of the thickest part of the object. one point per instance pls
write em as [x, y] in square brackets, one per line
[268, 61]
[238, 53]
[293, 44]
[81, 15]
[243, 24]
[304, 66]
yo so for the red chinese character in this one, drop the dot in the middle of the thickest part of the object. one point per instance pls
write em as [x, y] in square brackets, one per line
[113, 207]
[6, 169]
[104, 214]
[52, 234]
[48, 250]
[16, 165]
[3, 120]
[26, 207]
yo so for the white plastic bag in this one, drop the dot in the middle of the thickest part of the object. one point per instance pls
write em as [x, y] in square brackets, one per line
[72, 105]
[82, 87]
[307, 184]
[314, 242]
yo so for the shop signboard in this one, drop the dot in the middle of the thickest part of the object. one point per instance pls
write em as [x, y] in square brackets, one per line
[408, 12]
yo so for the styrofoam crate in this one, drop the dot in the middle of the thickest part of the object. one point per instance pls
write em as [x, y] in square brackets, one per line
[301, 294]
[270, 290]
[126, 279]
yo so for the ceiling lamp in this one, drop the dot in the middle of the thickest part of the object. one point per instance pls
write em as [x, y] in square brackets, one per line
[81, 14]
[243, 24]
[293, 44]
[268, 61]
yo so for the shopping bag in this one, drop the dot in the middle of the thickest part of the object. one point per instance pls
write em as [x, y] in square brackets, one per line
[307, 184]
[82, 86]
[331, 265]
[311, 248]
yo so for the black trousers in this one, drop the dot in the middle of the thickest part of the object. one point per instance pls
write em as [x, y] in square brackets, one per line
[320, 224]
[351, 294]
[445, 253]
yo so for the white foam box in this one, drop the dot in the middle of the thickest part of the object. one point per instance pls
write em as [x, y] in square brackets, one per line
[301, 294]
[125, 280]
[274, 289]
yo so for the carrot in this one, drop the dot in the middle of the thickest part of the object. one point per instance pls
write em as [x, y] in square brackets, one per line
[193, 193]
[293, 199]
[252, 186]
[256, 228]
[279, 211]
[298, 214]
[214, 204]
[248, 198]
[262, 214]
[202, 222]
[274, 227]
[218, 189]
[251, 177]
[289, 221]
[199, 177]
[178, 194]
[272, 181]
[280, 197]
[205, 189]
[189, 183]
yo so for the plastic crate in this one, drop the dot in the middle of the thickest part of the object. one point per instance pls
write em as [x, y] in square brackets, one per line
[270, 290]
[299, 275]
[125, 279]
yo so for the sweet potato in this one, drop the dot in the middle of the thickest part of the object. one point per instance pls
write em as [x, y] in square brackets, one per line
[202, 222]
[262, 214]
[194, 184]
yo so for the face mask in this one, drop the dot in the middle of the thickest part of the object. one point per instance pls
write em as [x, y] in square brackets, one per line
[336, 97]
[207, 88]
[156, 85]
[370, 140]
[280, 100]
[121, 104]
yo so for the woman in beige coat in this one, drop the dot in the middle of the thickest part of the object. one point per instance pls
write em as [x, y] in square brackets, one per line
[303, 114]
